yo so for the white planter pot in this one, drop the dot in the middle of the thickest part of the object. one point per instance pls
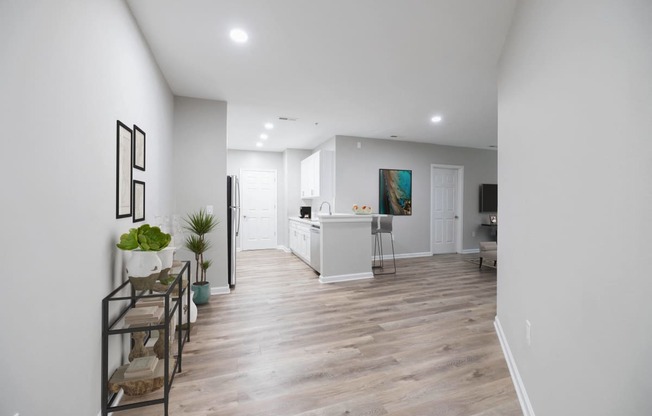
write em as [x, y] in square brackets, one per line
[143, 268]
[193, 308]
[167, 256]
[185, 309]
[143, 263]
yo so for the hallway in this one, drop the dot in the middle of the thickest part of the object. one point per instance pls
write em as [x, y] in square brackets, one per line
[421, 342]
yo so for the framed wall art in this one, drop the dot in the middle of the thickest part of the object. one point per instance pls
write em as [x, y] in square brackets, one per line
[139, 201]
[395, 192]
[139, 148]
[123, 171]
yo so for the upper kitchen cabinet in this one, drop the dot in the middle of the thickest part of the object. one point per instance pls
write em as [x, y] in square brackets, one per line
[317, 175]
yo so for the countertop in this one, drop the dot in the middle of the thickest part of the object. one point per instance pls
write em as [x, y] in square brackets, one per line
[345, 217]
[307, 221]
[335, 217]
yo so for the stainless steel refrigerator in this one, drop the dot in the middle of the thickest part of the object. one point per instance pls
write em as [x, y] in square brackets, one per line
[233, 222]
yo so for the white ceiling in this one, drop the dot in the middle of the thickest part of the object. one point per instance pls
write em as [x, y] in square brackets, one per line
[369, 68]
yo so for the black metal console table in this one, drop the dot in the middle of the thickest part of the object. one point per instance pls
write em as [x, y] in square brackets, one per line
[114, 309]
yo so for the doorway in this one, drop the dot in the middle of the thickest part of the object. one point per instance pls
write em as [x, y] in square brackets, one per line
[446, 208]
[258, 207]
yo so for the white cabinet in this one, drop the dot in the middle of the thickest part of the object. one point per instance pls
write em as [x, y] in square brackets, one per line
[307, 177]
[317, 175]
[300, 240]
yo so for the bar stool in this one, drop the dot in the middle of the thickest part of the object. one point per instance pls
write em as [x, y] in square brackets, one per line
[382, 224]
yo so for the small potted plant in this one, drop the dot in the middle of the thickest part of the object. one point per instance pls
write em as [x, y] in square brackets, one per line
[199, 224]
[144, 266]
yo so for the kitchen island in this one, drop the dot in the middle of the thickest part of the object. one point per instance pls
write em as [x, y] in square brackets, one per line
[345, 247]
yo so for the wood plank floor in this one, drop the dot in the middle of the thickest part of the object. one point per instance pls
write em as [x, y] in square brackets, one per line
[420, 342]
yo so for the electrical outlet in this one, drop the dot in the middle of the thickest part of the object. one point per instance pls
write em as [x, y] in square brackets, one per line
[359, 145]
[528, 332]
[209, 209]
[17, 414]
[472, 233]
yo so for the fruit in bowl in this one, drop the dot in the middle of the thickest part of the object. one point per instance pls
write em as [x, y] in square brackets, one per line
[364, 209]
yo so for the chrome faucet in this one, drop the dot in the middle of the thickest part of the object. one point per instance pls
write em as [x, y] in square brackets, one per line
[329, 207]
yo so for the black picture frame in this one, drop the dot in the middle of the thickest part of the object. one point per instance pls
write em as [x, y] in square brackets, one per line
[139, 201]
[124, 174]
[139, 148]
[395, 191]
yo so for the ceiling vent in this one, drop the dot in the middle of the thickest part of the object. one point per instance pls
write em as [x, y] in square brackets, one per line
[288, 118]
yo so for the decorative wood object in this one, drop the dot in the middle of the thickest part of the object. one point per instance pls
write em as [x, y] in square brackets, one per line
[136, 387]
[139, 349]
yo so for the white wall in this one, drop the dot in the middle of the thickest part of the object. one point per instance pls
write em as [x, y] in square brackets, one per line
[200, 174]
[356, 182]
[574, 168]
[69, 70]
[242, 159]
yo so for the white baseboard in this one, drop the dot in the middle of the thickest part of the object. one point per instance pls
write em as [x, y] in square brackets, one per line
[523, 398]
[287, 250]
[405, 255]
[412, 255]
[345, 277]
[470, 251]
[220, 290]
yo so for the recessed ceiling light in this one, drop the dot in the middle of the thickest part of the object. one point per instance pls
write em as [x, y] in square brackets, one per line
[239, 35]
[259, 144]
[269, 126]
[264, 136]
[436, 119]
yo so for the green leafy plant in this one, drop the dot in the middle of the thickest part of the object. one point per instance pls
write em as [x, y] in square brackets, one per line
[145, 237]
[206, 264]
[199, 224]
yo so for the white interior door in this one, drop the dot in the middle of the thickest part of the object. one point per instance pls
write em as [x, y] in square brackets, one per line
[445, 212]
[258, 207]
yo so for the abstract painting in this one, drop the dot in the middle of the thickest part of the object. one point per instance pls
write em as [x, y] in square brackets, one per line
[395, 192]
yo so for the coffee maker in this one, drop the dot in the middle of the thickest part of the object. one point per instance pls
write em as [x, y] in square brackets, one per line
[305, 211]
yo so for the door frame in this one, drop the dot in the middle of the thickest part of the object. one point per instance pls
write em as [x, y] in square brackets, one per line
[275, 203]
[459, 204]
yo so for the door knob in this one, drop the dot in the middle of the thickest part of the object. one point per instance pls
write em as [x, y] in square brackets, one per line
[456, 217]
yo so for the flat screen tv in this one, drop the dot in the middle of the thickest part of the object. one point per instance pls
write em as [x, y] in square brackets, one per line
[488, 198]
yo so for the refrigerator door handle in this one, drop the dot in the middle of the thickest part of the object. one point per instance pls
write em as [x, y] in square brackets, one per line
[237, 228]
[237, 204]
[237, 192]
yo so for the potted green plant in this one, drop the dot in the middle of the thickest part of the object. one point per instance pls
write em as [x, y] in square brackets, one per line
[144, 266]
[199, 224]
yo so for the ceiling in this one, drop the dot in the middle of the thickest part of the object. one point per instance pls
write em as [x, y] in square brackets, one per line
[367, 68]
